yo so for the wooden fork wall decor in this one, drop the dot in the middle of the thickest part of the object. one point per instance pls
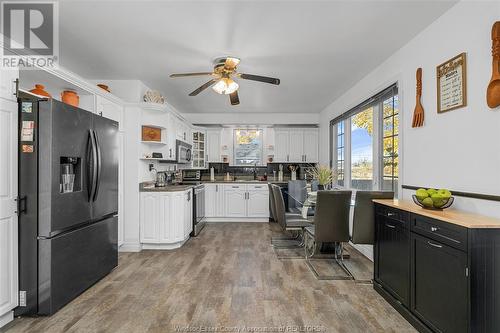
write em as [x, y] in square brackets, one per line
[418, 114]
[493, 91]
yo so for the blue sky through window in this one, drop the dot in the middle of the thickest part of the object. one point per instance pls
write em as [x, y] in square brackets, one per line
[361, 146]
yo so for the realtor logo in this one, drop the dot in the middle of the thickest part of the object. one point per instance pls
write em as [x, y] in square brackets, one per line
[30, 34]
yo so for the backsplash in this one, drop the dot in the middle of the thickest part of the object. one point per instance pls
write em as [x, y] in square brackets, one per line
[222, 169]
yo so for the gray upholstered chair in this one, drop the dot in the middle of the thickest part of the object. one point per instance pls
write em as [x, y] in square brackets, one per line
[331, 225]
[272, 204]
[288, 222]
[363, 225]
[297, 192]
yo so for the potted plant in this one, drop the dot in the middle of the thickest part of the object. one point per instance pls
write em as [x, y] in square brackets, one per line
[323, 174]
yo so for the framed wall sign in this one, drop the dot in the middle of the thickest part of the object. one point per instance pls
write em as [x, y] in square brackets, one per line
[452, 84]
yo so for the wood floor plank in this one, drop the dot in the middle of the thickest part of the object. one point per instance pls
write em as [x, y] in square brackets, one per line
[230, 276]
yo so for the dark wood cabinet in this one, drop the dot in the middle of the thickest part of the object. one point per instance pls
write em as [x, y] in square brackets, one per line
[441, 276]
[393, 250]
[439, 284]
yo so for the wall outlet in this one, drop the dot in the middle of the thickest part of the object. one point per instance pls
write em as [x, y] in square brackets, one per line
[22, 298]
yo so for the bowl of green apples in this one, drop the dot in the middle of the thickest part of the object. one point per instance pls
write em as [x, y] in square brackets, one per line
[433, 199]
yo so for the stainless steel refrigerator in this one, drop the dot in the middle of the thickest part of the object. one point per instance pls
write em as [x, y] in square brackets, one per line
[68, 202]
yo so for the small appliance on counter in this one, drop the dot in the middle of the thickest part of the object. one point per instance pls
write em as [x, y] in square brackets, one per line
[161, 179]
[191, 176]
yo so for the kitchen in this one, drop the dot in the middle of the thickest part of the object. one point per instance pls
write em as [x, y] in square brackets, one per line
[183, 188]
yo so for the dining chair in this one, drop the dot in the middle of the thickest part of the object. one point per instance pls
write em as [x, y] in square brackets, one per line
[288, 222]
[363, 223]
[331, 225]
[272, 204]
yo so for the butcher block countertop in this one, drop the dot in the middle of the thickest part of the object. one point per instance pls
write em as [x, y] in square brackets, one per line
[450, 215]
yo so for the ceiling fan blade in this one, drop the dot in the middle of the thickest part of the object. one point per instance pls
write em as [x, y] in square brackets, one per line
[191, 74]
[259, 78]
[203, 87]
[231, 63]
[234, 98]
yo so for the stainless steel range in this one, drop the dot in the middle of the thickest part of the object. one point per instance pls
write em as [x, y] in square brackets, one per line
[193, 177]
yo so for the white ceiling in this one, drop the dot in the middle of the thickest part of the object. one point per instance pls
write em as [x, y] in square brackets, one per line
[318, 49]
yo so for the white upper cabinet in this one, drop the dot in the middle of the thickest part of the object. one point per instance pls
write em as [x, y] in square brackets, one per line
[311, 146]
[296, 152]
[281, 146]
[214, 146]
[171, 138]
[296, 145]
[8, 84]
[199, 149]
[109, 109]
[183, 130]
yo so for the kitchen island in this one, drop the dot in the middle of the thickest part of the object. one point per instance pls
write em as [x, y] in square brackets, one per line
[165, 216]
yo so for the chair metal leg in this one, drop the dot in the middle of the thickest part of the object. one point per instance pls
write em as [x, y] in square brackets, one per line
[309, 253]
[299, 239]
[295, 236]
[295, 246]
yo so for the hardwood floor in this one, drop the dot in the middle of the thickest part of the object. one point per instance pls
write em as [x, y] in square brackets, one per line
[228, 277]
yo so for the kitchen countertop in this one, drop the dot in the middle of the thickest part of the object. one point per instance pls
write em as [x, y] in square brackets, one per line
[168, 188]
[243, 182]
[450, 215]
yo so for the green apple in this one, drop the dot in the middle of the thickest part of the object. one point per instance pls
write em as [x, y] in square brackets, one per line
[421, 194]
[431, 191]
[438, 200]
[444, 193]
[427, 202]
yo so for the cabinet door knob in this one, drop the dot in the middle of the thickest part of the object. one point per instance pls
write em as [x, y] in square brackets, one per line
[391, 214]
[434, 229]
[390, 226]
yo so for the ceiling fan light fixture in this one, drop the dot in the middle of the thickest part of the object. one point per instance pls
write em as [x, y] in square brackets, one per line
[225, 86]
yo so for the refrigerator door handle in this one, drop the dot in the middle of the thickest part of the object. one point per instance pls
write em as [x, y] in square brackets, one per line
[92, 168]
[98, 174]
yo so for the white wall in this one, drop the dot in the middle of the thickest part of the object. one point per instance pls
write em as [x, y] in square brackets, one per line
[460, 149]
[131, 91]
[252, 118]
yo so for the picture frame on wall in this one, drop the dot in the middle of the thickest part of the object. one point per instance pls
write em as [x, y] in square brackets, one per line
[451, 77]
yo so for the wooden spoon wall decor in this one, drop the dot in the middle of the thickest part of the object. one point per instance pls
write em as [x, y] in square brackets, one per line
[493, 91]
[418, 114]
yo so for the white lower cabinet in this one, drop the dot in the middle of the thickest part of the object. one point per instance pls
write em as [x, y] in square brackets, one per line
[258, 201]
[166, 218]
[246, 200]
[235, 200]
[214, 200]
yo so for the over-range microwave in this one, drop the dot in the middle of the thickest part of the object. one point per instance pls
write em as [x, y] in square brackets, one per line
[183, 152]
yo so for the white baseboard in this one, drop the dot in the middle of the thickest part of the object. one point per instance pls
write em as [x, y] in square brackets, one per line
[171, 246]
[236, 219]
[6, 318]
[130, 247]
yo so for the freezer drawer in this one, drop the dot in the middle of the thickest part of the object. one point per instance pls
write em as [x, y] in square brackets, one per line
[72, 262]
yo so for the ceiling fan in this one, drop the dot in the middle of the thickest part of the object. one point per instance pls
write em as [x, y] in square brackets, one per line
[222, 78]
